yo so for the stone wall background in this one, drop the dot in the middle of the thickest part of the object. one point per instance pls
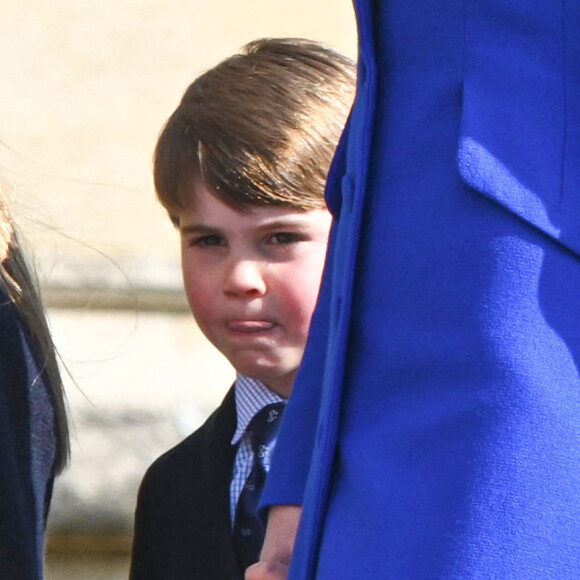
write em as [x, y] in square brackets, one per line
[85, 86]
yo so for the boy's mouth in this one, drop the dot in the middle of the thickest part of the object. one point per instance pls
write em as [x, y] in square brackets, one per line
[250, 326]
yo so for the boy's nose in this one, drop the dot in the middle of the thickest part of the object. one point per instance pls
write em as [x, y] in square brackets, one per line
[245, 278]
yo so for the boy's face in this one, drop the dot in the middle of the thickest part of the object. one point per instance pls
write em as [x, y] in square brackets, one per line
[252, 280]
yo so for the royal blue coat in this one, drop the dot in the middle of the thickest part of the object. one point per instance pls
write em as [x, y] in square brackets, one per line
[434, 430]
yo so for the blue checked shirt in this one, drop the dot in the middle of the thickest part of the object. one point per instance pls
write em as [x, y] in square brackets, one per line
[251, 396]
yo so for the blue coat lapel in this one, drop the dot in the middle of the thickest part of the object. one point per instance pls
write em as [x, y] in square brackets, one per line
[517, 147]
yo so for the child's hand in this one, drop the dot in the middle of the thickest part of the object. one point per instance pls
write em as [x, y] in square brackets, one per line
[278, 544]
[267, 571]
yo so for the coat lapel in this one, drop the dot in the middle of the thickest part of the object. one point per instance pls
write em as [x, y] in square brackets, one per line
[517, 146]
[211, 499]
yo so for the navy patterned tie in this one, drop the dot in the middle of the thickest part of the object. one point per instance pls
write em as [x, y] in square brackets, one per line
[248, 532]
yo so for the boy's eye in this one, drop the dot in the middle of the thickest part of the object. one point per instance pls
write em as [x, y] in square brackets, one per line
[284, 238]
[207, 241]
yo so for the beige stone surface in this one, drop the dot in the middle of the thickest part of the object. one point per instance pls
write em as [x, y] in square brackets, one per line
[142, 382]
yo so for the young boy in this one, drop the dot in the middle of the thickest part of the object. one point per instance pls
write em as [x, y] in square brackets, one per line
[240, 167]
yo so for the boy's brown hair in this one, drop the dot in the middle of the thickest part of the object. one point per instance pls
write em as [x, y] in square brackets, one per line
[260, 128]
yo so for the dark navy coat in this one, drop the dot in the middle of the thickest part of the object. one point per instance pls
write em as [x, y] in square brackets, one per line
[182, 521]
[434, 430]
[27, 450]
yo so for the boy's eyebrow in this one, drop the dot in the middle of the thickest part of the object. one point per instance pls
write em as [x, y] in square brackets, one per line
[198, 229]
[284, 222]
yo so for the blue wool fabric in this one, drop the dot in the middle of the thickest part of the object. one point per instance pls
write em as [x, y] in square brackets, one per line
[434, 428]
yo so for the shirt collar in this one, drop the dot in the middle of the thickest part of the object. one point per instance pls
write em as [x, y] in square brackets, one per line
[251, 397]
